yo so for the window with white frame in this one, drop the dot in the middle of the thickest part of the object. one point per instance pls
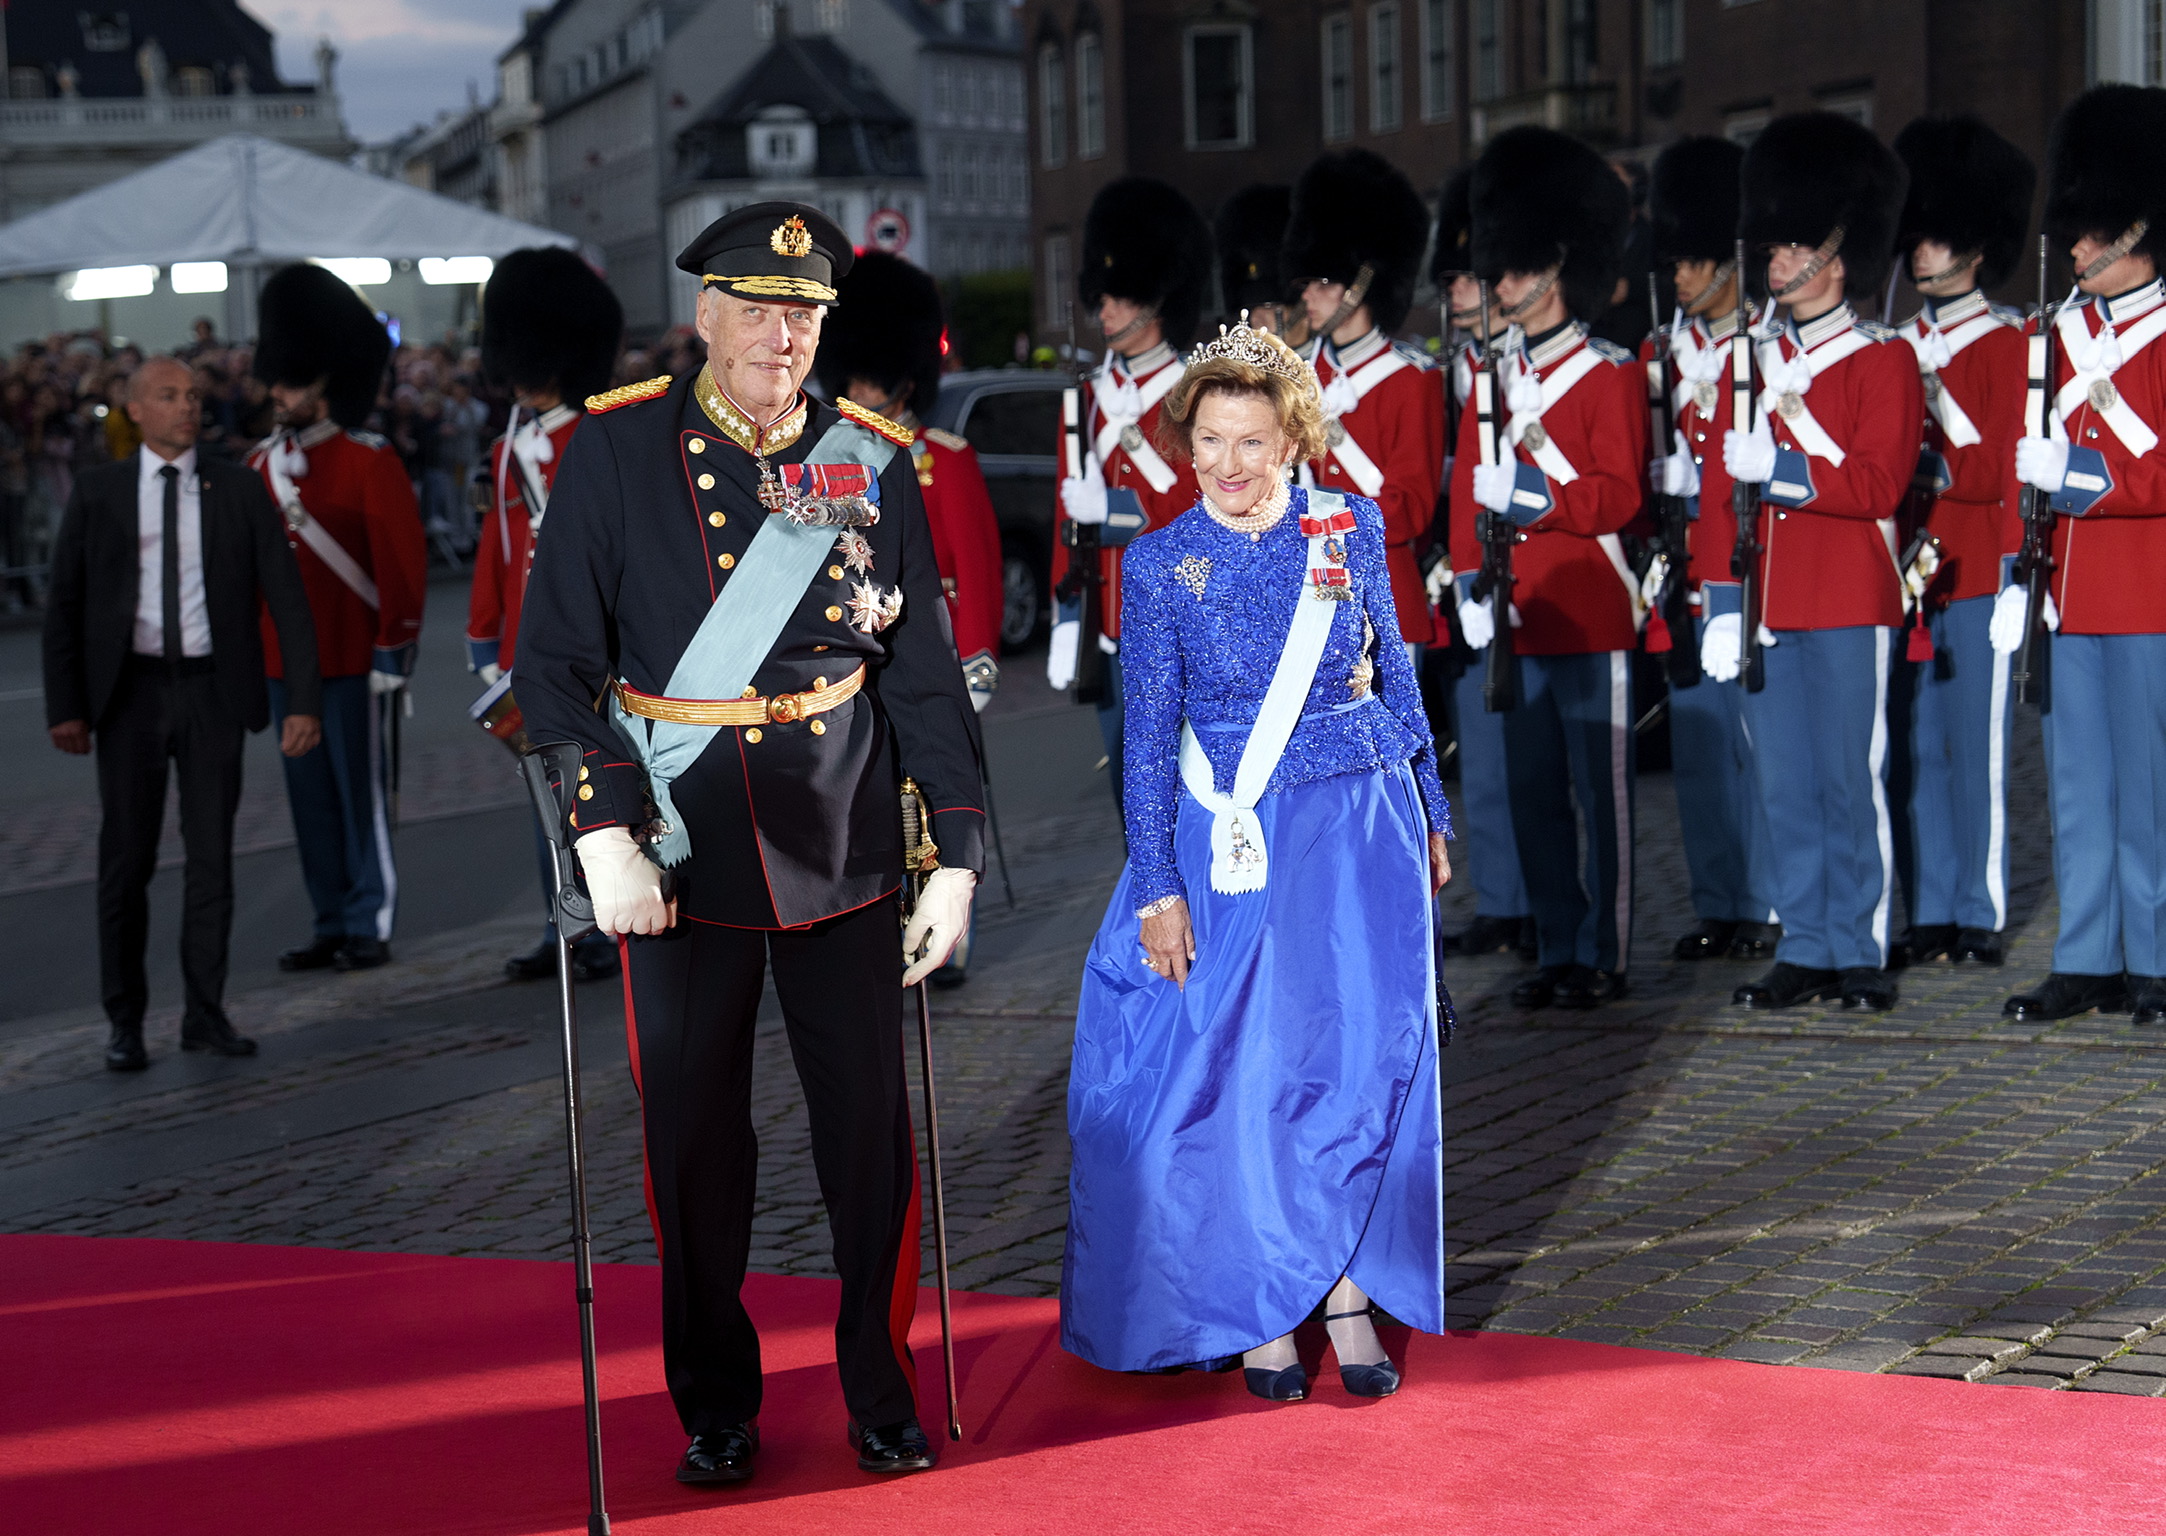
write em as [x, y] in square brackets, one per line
[1337, 56]
[1488, 49]
[1218, 77]
[1855, 105]
[1052, 107]
[1059, 283]
[1665, 33]
[1439, 28]
[1384, 69]
[1090, 97]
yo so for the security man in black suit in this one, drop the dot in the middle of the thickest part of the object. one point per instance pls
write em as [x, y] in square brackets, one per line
[153, 648]
[735, 612]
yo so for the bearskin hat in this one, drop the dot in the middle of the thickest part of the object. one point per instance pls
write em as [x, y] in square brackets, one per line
[1144, 242]
[1970, 189]
[1692, 200]
[1539, 197]
[2106, 166]
[1251, 229]
[548, 321]
[886, 328]
[1352, 208]
[1454, 248]
[311, 325]
[1809, 172]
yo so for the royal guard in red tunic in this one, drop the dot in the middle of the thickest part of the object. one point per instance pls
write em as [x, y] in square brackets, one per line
[1146, 261]
[1354, 215]
[1831, 448]
[355, 529]
[2102, 466]
[1249, 233]
[1967, 211]
[1549, 217]
[550, 328]
[1692, 207]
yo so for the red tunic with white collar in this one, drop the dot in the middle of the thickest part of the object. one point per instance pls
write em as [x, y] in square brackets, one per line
[1974, 379]
[1570, 595]
[966, 539]
[357, 490]
[505, 552]
[1165, 487]
[2107, 563]
[1830, 554]
[1700, 404]
[1388, 401]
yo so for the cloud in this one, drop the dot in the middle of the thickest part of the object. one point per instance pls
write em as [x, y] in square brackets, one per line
[401, 62]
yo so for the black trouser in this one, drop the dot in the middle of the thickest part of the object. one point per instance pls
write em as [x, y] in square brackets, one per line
[693, 994]
[161, 712]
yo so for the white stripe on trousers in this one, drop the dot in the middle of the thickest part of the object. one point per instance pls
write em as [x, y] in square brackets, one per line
[379, 813]
[1877, 765]
[1620, 791]
[1997, 792]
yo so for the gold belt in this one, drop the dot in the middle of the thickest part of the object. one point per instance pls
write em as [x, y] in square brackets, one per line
[751, 710]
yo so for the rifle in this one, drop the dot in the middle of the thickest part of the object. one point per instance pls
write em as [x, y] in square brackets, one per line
[1085, 581]
[1498, 533]
[1745, 496]
[1673, 517]
[2033, 671]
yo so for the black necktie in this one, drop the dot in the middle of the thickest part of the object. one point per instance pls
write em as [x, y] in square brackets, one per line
[170, 582]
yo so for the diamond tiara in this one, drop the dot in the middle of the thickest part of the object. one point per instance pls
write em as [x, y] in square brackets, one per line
[1259, 349]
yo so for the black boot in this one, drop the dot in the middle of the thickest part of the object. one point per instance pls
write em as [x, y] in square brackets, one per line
[359, 954]
[594, 958]
[1932, 941]
[1585, 987]
[1710, 937]
[720, 1456]
[315, 955]
[1788, 985]
[537, 964]
[124, 1049]
[1981, 946]
[1755, 941]
[2064, 994]
[1484, 936]
[2149, 996]
[1867, 988]
[215, 1035]
[1540, 989]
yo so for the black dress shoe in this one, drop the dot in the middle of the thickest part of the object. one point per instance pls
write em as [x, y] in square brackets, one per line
[1930, 941]
[1788, 985]
[359, 954]
[2148, 993]
[1585, 987]
[1485, 936]
[216, 1036]
[1755, 941]
[1540, 989]
[891, 1447]
[720, 1456]
[124, 1050]
[1981, 946]
[594, 959]
[1711, 936]
[1865, 987]
[537, 964]
[316, 954]
[2064, 994]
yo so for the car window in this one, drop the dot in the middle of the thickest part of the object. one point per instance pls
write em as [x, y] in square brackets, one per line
[1015, 421]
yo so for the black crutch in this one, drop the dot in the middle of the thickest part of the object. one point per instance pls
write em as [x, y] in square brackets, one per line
[917, 849]
[558, 761]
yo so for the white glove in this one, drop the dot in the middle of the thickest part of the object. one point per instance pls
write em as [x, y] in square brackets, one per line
[1494, 484]
[1478, 622]
[1722, 646]
[1674, 474]
[1084, 500]
[1438, 584]
[1060, 654]
[2043, 462]
[1749, 456]
[980, 697]
[937, 921]
[2053, 614]
[489, 672]
[381, 683]
[2011, 620]
[625, 884]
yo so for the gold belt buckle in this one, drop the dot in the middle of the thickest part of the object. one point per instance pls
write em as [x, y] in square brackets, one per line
[785, 707]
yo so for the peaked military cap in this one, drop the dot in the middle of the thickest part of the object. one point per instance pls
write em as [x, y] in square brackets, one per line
[1692, 200]
[1812, 173]
[887, 329]
[1352, 209]
[2106, 167]
[771, 251]
[1542, 199]
[312, 326]
[1970, 189]
[547, 320]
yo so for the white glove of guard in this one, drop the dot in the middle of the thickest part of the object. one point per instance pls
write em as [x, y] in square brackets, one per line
[1494, 484]
[489, 672]
[1674, 474]
[1438, 583]
[2011, 620]
[1722, 646]
[1478, 622]
[937, 921]
[388, 682]
[2043, 462]
[2053, 614]
[1060, 654]
[626, 885]
[1749, 456]
[1084, 500]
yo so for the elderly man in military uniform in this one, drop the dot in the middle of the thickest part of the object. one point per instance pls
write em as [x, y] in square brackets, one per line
[735, 611]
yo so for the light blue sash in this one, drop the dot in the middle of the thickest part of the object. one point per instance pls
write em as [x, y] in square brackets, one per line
[738, 633]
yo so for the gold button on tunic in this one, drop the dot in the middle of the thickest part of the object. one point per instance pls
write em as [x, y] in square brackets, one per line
[717, 519]
[725, 561]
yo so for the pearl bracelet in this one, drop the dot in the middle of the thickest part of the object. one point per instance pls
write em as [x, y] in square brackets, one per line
[1152, 909]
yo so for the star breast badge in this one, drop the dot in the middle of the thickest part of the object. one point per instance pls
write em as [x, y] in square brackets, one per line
[872, 610]
[855, 550]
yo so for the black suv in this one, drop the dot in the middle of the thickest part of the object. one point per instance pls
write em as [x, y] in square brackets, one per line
[1012, 417]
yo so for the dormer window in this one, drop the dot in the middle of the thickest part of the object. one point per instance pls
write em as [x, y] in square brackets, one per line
[104, 31]
[194, 80]
[782, 142]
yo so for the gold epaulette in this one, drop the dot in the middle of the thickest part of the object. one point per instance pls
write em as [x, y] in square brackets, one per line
[873, 421]
[946, 439]
[626, 394]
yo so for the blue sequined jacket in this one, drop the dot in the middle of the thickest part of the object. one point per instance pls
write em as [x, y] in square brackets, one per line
[1205, 613]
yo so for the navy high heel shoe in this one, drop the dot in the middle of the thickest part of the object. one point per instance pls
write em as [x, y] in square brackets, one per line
[1288, 1385]
[1380, 1380]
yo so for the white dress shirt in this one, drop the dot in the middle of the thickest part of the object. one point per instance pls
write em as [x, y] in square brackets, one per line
[195, 613]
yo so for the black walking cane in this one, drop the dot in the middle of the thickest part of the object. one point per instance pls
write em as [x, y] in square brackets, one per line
[574, 917]
[918, 851]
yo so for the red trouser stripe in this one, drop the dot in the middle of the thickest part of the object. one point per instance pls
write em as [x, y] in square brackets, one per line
[902, 1305]
[631, 1041]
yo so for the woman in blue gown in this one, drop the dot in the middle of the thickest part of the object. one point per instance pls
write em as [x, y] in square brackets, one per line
[1253, 1102]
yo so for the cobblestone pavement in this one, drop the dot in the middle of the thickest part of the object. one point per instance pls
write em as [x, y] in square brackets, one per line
[1932, 1191]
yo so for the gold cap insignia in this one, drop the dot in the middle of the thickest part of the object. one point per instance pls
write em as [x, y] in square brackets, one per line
[791, 238]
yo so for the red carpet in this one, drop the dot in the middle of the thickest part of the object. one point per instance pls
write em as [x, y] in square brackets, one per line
[174, 1388]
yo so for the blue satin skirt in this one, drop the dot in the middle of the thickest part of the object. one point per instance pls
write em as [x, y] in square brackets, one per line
[1239, 1146]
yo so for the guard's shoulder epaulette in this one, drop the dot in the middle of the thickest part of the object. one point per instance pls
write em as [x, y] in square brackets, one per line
[628, 394]
[1875, 330]
[1609, 349]
[1413, 354]
[370, 439]
[2007, 314]
[873, 421]
[945, 439]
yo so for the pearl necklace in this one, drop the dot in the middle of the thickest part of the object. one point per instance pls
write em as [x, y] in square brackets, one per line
[1259, 522]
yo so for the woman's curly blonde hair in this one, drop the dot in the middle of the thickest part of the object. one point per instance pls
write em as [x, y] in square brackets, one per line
[1246, 362]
